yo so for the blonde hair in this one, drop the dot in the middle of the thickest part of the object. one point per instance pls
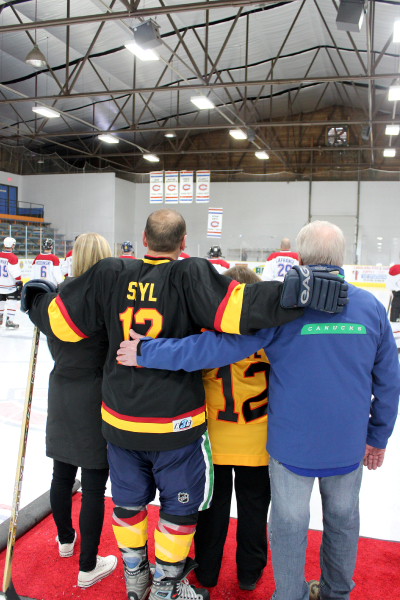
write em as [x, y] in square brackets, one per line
[89, 248]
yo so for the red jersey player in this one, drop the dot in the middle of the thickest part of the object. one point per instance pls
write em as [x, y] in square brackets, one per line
[215, 257]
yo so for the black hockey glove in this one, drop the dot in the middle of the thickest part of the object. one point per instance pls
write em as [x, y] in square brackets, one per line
[32, 288]
[18, 291]
[314, 287]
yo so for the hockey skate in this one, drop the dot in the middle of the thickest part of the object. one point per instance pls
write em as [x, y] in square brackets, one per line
[138, 581]
[178, 589]
[11, 324]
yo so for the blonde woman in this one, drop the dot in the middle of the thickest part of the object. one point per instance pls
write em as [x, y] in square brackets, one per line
[73, 431]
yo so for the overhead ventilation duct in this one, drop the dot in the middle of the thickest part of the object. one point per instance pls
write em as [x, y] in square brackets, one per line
[350, 15]
[147, 35]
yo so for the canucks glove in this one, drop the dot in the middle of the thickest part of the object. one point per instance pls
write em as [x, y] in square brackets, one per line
[314, 287]
[32, 288]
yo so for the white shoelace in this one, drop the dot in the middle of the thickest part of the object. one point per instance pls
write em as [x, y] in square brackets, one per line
[186, 592]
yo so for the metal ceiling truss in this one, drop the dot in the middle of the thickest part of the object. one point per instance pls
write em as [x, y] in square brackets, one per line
[245, 107]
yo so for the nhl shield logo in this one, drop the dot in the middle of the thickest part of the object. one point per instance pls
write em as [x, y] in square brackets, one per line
[183, 497]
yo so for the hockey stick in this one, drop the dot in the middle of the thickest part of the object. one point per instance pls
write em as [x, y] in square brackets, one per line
[8, 587]
[390, 304]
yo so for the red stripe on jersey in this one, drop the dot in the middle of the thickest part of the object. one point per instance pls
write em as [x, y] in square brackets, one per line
[395, 270]
[221, 308]
[192, 413]
[184, 255]
[67, 318]
[12, 259]
[158, 257]
[51, 257]
[126, 256]
[283, 253]
[133, 520]
[69, 253]
[219, 261]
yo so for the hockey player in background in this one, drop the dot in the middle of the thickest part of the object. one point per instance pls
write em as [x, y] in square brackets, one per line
[46, 265]
[279, 263]
[10, 283]
[214, 255]
[66, 265]
[393, 284]
[127, 251]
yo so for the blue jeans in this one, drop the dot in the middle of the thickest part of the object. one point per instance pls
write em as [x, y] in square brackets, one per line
[288, 526]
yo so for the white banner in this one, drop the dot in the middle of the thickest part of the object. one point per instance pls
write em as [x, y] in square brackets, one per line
[156, 187]
[214, 227]
[186, 187]
[202, 186]
[171, 187]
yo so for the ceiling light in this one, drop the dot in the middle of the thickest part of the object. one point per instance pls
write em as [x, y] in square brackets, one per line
[379, 238]
[170, 134]
[49, 113]
[392, 129]
[40, 160]
[202, 102]
[139, 52]
[238, 134]
[151, 157]
[109, 139]
[262, 155]
[350, 15]
[394, 92]
[389, 152]
[35, 58]
[396, 32]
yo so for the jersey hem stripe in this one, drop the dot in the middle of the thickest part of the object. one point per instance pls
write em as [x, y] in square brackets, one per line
[191, 413]
[148, 426]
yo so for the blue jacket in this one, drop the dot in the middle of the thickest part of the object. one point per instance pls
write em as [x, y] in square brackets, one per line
[324, 370]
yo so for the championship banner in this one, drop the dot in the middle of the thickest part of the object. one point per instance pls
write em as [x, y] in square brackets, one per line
[186, 187]
[214, 227]
[156, 187]
[171, 187]
[202, 186]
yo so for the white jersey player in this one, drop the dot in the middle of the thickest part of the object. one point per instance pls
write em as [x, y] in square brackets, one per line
[46, 265]
[215, 257]
[66, 266]
[279, 263]
[10, 283]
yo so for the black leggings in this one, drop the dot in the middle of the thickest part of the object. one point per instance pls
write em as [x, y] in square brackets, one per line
[92, 509]
[253, 495]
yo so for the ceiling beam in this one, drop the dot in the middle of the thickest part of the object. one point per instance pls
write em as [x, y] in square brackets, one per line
[183, 88]
[142, 12]
[205, 128]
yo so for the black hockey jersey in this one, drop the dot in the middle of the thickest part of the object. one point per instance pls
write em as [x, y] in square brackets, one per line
[149, 409]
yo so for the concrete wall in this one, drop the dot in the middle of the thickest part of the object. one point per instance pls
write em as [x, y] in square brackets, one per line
[75, 203]
[256, 215]
[124, 211]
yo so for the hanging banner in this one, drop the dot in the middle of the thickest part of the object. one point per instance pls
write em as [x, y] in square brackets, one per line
[202, 186]
[171, 187]
[156, 187]
[186, 186]
[214, 227]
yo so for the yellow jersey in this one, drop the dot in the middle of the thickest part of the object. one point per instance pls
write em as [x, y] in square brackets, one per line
[237, 400]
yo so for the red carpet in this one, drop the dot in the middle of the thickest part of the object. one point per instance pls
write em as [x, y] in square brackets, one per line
[38, 571]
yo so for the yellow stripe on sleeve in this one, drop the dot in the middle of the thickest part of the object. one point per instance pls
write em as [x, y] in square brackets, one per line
[230, 322]
[59, 325]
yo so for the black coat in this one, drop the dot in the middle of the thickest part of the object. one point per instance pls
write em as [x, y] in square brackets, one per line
[73, 430]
